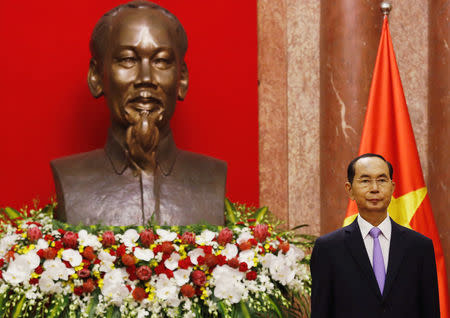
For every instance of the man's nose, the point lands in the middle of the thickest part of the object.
(374, 187)
(145, 76)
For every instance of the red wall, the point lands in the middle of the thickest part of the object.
(48, 112)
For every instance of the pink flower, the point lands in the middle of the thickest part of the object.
(144, 272)
(188, 238)
(70, 240)
(147, 237)
(108, 239)
(198, 277)
(261, 232)
(34, 233)
(225, 236)
(83, 273)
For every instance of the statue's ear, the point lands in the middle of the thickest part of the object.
(94, 79)
(184, 82)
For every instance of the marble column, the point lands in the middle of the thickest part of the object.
(439, 120)
(349, 36)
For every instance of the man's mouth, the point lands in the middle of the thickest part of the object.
(148, 103)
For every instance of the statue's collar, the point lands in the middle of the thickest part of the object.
(166, 154)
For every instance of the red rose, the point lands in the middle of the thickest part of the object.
(198, 277)
(167, 247)
(188, 238)
(147, 237)
(284, 247)
(245, 246)
(210, 260)
(89, 254)
(39, 270)
(128, 260)
(34, 233)
(88, 286)
(187, 291)
(251, 275)
(34, 281)
(243, 267)
(108, 239)
(78, 290)
(139, 294)
(234, 262)
(84, 273)
(2, 262)
(70, 240)
(144, 272)
(225, 236)
(261, 232)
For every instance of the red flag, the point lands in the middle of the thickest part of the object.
(387, 131)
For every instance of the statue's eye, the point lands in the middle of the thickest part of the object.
(127, 61)
(162, 63)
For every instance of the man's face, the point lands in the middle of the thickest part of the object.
(372, 187)
(141, 69)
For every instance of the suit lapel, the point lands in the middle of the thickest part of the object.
(396, 253)
(355, 243)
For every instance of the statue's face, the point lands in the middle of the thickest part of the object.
(141, 69)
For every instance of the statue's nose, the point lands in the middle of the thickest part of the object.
(145, 75)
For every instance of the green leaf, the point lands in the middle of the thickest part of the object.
(58, 307)
(18, 309)
(90, 310)
(113, 312)
(244, 310)
(230, 211)
(260, 214)
(275, 307)
(3, 298)
(11, 213)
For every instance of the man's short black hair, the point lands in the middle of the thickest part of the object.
(351, 166)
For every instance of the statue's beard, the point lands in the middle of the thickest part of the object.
(142, 138)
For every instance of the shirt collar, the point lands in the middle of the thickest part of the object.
(166, 154)
(384, 226)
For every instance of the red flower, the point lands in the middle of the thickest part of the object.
(201, 260)
(108, 239)
(131, 270)
(144, 272)
(70, 239)
(39, 270)
(89, 254)
(168, 273)
(234, 262)
(2, 262)
(225, 236)
(128, 260)
(48, 237)
(10, 256)
(245, 246)
(78, 290)
(34, 234)
(167, 247)
(261, 232)
(243, 267)
(34, 281)
(187, 291)
(251, 275)
(210, 260)
(159, 269)
(221, 260)
(139, 294)
(88, 286)
(121, 250)
(67, 263)
(50, 253)
(188, 238)
(284, 247)
(198, 277)
(206, 248)
(58, 245)
(84, 273)
(147, 237)
(61, 231)
(185, 263)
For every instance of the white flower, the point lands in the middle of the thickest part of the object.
(230, 251)
(205, 237)
(141, 313)
(182, 276)
(41, 244)
(55, 269)
(7, 242)
(172, 262)
(20, 269)
(247, 257)
(166, 236)
(228, 283)
(72, 256)
(130, 237)
(86, 239)
(107, 261)
(47, 285)
(144, 254)
(244, 236)
(194, 254)
(114, 286)
(167, 290)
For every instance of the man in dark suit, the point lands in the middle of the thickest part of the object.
(374, 267)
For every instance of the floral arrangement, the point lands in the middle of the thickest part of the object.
(246, 269)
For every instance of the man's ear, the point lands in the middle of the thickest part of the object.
(184, 82)
(348, 189)
(94, 79)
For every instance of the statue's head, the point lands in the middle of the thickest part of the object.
(138, 65)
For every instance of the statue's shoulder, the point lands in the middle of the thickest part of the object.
(89, 163)
(200, 164)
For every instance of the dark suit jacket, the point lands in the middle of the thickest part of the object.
(344, 284)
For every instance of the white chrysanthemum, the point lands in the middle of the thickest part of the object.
(144, 254)
(47, 285)
(114, 286)
(107, 261)
(56, 269)
(172, 262)
(167, 290)
(230, 251)
(86, 239)
(228, 283)
(247, 257)
(41, 244)
(72, 256)
(7, 242)
(244, 236)
(166, 236)
(130, 237)
(205, 237)
(182, 276)
(194, 254)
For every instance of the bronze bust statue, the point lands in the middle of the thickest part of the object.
(138, 65)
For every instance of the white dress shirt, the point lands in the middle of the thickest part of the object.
(384, 238)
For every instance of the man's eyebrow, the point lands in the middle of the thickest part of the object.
(379, 176)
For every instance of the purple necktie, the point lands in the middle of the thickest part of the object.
(378, 262)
